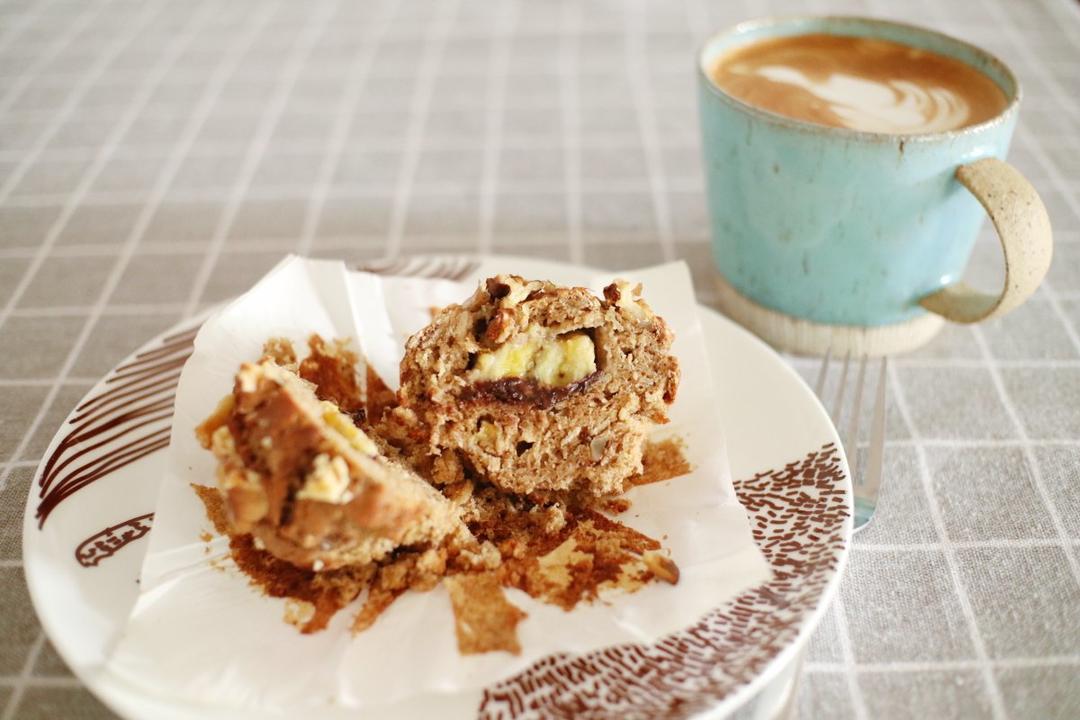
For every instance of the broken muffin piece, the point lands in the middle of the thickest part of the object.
(307, 483)
(535, 387)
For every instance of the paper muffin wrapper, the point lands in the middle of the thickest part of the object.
(199, 631)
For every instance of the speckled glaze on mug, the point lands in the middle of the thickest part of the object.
(837, 226)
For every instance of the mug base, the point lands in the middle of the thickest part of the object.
(804, 337)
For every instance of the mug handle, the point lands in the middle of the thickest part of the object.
(1023, 227)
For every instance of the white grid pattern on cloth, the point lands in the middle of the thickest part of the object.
(59, 43)
(124, 254)
(568, 34)
(571, 126)
(435, 39)
(495, 101)
(982, 664)
(644, 107)
(32, 656)
(305, 44)
(170, 56)
(343, 115)
(65, 112)
(101, 158)
(1029, 455)
(13, 30)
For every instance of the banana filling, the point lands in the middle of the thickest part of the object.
(343, 425)
(556, 363)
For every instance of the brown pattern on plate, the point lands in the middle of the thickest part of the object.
(798, 516)
(445, 268)
(128, 419)
(109, 541)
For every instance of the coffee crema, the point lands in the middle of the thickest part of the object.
(858, 83)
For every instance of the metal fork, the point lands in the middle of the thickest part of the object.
(868, 483)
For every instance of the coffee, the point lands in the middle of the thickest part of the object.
(858, 83)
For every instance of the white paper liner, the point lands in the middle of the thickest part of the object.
(207, 636)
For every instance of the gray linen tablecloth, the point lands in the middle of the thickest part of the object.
(157, 157)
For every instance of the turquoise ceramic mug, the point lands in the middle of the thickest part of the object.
(826, 237)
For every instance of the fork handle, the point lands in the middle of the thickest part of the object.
(1022, 225)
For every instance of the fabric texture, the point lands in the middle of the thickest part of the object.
(157, 157)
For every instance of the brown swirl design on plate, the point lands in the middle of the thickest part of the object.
(106, 543)
(128, 419)
(444, 268)
(797, 515)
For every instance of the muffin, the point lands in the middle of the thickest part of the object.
(534, 387)
(310, 486)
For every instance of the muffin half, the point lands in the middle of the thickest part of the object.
(535, 387)
(308, 484)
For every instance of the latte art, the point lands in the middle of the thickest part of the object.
(860, 84)
(893, 106)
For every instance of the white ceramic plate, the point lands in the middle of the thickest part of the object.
(93, 497)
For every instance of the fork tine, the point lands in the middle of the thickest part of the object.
(851, 441)
(822, 372)
(838, 401)
(868, 491)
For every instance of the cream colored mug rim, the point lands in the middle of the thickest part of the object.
(848, 133)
